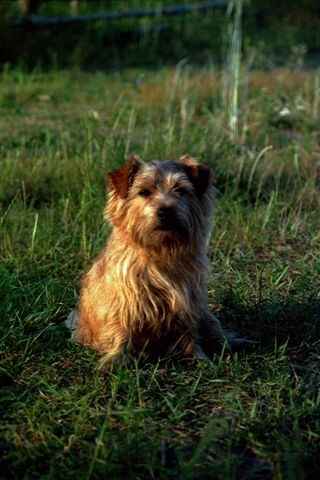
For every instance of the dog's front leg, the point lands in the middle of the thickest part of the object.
(192, 348)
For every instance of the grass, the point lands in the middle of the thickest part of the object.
(272, 35)
(254, 415)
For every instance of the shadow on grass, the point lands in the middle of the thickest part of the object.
(275, 322)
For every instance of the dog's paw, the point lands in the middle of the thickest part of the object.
(71, 322)
(239, 344)
(199, 354)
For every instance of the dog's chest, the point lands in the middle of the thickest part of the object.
(163, 296)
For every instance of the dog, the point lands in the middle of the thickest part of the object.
(146, 293)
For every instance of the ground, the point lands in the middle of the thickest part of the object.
(251, 415)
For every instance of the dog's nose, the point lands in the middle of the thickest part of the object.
(165, 213)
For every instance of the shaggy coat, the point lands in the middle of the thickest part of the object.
(147, 290)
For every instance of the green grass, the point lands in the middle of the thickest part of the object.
(254, 415)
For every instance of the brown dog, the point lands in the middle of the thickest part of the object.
(147, 290)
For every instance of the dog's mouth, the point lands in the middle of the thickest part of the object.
(172, 230)
(167, 220)
(167, 226)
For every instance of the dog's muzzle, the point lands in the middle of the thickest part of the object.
(167, 219)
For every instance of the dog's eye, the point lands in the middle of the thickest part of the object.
(145, 193)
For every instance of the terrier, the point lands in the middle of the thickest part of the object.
(147, 290)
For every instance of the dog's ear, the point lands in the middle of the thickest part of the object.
(201, 176)
(120, 180)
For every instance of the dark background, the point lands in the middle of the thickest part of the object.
(272, 32)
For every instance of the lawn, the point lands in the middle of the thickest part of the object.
(254, 415)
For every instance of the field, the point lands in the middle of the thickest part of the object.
(255, 415)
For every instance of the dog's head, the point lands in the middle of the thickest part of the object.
(161, 203)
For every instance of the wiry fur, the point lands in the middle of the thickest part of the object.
(147, 290)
